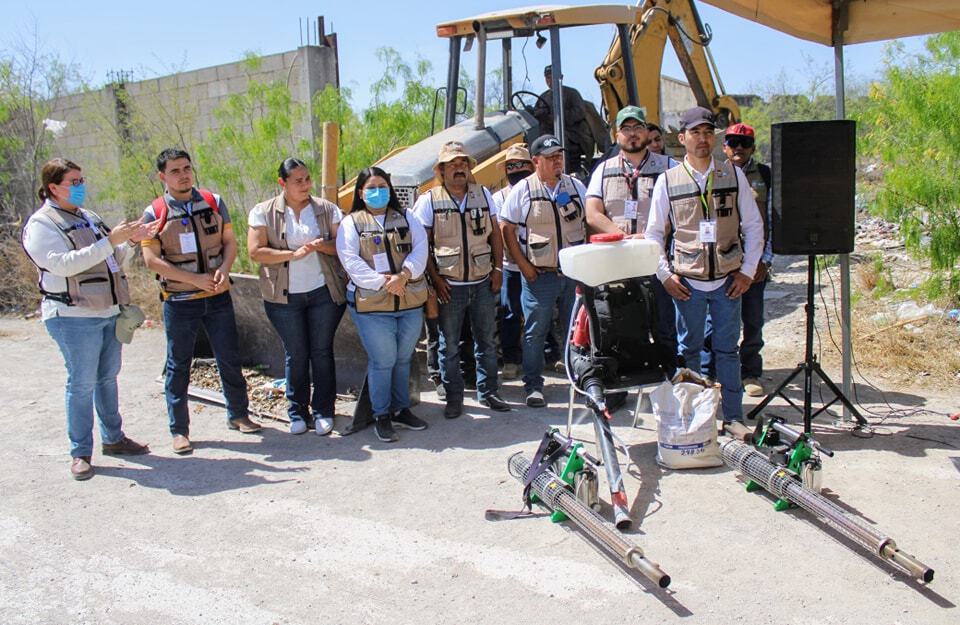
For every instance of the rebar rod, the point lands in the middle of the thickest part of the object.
(554, 494)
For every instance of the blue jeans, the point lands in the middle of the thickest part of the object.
(182, 320)
(511, 320)
(389, 338)
(91, 353)
(725, 314)
(477, 301)
(538, 299)
(751, 313)
(307, 324)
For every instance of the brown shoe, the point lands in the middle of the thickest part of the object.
(125, 447)
(245, 425)
(81, 469)
(181, 444)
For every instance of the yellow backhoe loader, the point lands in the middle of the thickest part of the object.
(630, 74)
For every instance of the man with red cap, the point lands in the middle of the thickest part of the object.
(739, 145)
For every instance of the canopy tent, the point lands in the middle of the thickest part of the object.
(837, 23)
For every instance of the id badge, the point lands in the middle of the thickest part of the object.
(708, 231)
(112, 264)
(188, 243)
(381, 264)
(630, 209)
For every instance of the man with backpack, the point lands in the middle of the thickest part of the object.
(192, 254)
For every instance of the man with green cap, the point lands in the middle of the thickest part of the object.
(618, 200)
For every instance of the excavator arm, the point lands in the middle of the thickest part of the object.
(679, 21)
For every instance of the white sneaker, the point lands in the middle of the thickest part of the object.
(298, 427)
(323, 425)
(535, 399)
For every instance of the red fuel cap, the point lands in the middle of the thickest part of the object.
(607, 237)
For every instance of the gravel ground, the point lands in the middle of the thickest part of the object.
(274, 529)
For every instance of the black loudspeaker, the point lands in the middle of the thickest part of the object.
(814, 180)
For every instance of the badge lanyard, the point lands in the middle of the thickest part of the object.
(703, 197)
(632, 174)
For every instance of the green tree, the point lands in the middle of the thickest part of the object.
(30, 83)
(915, 132)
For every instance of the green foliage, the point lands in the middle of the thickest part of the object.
(400, 113)
(257, 130)
(30, 81)
(809, 98)
(915, 131)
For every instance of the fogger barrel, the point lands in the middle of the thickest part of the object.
(554, 494)
(779, 483)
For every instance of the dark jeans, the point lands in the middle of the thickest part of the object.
(751, 313)
(666, 328)
(511, 320)
(468, 364)
(307, 324)
(477, 303)
(182, 320)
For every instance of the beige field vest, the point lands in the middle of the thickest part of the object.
(549, 226)
(275, 277)
(616, 190)
(691, 258)
(461, 241)
(97, 287)
(396, 240)
(206, 226)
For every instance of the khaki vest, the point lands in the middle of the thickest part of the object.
(691, 258)
(761, 193)
(206, 226)
(275, 278)
(548, 227)
(396, 241)
(461, 241)
(97, 287)
(616, 190)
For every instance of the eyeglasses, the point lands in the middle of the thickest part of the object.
(632, 130)
(76, 182)
(517, 166)
(738, 141)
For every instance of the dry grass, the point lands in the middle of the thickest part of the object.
(18, 288)
(923, 352)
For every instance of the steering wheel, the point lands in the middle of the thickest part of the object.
(517, 98)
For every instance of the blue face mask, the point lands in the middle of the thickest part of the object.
(78, 194)
(376, 197)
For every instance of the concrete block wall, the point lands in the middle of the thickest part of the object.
(184, 104)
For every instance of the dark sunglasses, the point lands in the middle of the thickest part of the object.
(517, 166)
(737, 141)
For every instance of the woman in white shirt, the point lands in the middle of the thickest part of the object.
(293, 236)
(83, 285)
(384, 251)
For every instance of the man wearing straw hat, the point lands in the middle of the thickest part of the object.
(466, 268)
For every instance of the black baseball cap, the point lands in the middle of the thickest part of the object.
(697, 116)
(545, 145)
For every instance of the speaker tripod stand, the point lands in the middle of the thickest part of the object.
(808, 368)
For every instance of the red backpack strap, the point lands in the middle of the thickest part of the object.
(160, 211)
(210, 200)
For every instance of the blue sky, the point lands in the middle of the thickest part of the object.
(157, 38)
